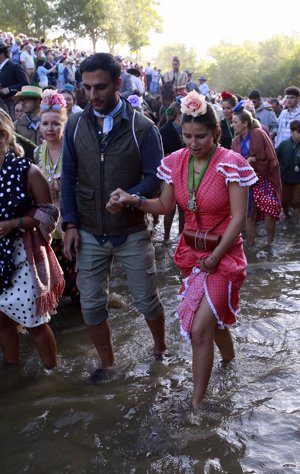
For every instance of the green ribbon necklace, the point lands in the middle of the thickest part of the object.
(230, 129)
(193, 188)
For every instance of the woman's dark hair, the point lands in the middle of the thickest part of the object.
(71, 93)
(172, 111)
(104, 61)
(231, 100)
(210, 120)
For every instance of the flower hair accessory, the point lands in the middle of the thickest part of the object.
(52, 99)
(193, 104)
(178, 99)
(245, 104)
(135, 100)
(239, 106)
(226, 95)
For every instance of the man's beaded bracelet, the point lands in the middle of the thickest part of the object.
(140, 198)
(71, 227)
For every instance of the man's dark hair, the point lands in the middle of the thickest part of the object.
(295, 126)
(103, 61)
(255, 94)
(293, 90)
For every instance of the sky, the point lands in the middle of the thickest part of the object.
(204, 24)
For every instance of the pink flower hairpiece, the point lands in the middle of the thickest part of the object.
(193, 104)
(52, 99)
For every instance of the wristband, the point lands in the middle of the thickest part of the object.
(214, 257)
(71, 227)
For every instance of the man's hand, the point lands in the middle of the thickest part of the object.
(115, 205)
(71, 243)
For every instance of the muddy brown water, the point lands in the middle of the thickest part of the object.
(139, 421)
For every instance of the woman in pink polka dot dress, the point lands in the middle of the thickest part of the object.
(265, 196)
(211, 184)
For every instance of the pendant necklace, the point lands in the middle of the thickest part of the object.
(51, 169)
(230, 129)
(191, 204)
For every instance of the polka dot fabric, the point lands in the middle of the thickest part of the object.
(222, 298)
(13, 187)
(18, 302)
(265, 199)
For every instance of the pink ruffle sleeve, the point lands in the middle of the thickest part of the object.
(236, 169)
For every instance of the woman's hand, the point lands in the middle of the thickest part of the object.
(118, 199)
(208, 264)
(7, 226)
(251, 159)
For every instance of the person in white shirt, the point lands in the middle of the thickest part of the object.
(203, 87)
(27, 61)
(282, 131)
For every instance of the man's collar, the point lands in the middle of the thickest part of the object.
(3, 64)
(123, 111)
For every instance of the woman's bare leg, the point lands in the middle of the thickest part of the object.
(270, 225)
(202, 335)
(224, 343)
(9, 339)
(44, 341)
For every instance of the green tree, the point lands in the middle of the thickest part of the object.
(187, 57)
(139, 19)
(278, 64)
(233, 67)
(32, 17)
(85, 18)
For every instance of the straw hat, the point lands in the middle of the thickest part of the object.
(31, 92)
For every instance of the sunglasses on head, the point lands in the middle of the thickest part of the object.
(54, 107)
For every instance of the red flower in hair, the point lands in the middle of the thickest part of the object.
(226, 95)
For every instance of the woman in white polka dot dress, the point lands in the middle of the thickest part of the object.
(30, 277)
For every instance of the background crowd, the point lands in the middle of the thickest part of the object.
(42, 89)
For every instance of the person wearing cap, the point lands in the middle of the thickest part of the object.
(203, 87)
(27, 61)
(15, 50)
(263, 111)
(110, 144)
(12, 78)
(28, 125)
(127, 87)
(70, 70)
